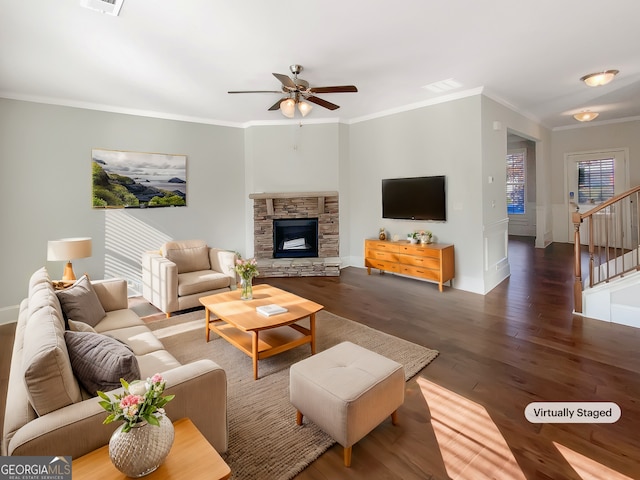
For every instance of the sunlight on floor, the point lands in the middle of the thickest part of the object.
(587, 468)
(180, 328)
(471, 445)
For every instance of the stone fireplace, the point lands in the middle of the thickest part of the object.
(302, 258)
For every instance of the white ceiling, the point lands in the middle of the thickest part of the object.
(178, 59)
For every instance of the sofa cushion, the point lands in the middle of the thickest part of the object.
(201, 281)
(40, 292)
(99, 361)
(80, 303)
(188, 255)
(46, 367)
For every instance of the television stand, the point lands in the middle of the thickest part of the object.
(434, 261)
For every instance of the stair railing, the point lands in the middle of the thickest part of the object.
(613, 232)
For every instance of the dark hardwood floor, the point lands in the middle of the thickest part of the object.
(463, 416)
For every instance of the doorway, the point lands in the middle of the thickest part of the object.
(522, 218)
(591, 179)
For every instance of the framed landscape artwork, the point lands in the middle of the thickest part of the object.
(138, 180)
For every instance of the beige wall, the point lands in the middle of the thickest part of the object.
(584, 139)
(45, 180)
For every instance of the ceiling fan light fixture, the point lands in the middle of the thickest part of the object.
(305, 108)
(599, 78)
(288, 107)
(585, 116)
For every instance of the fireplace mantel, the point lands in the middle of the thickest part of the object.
(270, 196)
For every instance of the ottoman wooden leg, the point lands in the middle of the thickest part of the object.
(347, 456)
(394, 417)
(298, 417)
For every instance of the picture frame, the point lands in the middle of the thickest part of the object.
(123, 179)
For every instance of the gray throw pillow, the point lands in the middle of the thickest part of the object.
(99, 361)
(80, 302)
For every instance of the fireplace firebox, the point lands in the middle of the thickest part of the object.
(295, 238)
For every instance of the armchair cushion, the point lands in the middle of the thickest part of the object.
(188, 255)
(99, 361)
(201, 281)
(79, 302)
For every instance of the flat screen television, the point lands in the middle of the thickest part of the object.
(417, 198)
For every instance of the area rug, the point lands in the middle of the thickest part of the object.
(264, 440)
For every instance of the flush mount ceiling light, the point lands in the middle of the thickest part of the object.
(600, 78)
(585, 116)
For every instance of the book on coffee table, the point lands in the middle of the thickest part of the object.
(271, 309)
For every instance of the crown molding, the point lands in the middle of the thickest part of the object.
(114, 109)
(596, 123)
(413, 106)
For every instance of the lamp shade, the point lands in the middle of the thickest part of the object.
(305, 108)
(288, 107)
(68, 249)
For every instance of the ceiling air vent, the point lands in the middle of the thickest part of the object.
(110, 7)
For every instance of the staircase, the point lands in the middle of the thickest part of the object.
(611, 291)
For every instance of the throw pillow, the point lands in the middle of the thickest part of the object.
(99, 361)
(80, 326)
(79, 302)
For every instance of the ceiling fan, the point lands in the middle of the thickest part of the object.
(296, 91)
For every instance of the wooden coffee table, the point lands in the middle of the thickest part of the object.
(254, 334)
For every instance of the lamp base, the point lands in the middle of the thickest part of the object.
(68, 275)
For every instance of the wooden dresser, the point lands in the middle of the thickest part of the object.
(434, 261)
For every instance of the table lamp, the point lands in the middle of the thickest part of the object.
(68, 249)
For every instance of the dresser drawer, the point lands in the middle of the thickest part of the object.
(382, 246)
(382, 255)
(382, 265)
(427, 262)
(420, 272)
(420, 251)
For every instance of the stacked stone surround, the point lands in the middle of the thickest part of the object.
(300, 205)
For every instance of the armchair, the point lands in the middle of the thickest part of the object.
(181, 272)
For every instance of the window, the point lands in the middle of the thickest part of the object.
(516, 166)
(595, 181)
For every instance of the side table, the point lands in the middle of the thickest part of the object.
(191, 456)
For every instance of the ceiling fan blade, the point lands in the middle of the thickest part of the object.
(256, 91)
(286, 81)
(335, 89)
(323, 103)
(276, 106)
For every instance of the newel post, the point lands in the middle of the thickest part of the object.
(577, 284)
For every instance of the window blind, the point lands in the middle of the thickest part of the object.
(516, 167)
(595, 180)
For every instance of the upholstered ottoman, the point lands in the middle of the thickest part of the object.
(347, 391)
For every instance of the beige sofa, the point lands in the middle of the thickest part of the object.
(50, 412)
(181, 272)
